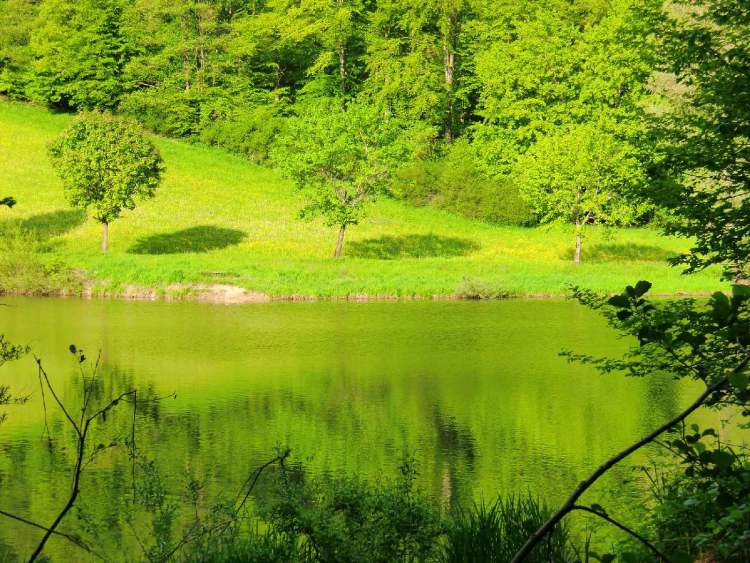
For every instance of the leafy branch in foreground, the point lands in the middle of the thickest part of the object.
(703, 343)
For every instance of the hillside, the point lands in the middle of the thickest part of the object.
(218, 219)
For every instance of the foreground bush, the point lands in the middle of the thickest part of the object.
(348, 520)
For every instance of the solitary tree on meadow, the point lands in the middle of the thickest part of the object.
(106, 164)
(341, 159)
(580, 177)
(7, 201)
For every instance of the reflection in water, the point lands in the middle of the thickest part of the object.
(454, 457)
(476, 392)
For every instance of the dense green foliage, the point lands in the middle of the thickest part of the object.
(105, 164)
(340, 519)
(701, 508)
(580, 176)
(706, 134)
(497, 75)
(342, 158)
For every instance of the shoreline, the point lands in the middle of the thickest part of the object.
(223, 294)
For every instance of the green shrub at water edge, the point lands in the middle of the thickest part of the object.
(27, 267)
(349, 520)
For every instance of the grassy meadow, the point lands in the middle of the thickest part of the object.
(217, 219)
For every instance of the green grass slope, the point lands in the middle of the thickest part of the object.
(219, 219)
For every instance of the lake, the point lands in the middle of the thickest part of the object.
(475, 391)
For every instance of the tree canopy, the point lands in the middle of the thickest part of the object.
(497, 76)
(705, 134)
(581, 176)
(342, 158)
(106, 164)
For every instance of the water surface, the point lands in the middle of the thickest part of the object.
(475, 391)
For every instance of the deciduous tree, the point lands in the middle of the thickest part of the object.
(580, 176)
(106, 164)
(79, 51)
(341, 159)
(707, 134)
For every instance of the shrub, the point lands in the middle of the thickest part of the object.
(478, 289)
(455, 183)
(345, 519)
(175, 114)
(26, 267)
(706, 516)
(249, 131)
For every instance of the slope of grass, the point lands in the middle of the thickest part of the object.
(219, 219)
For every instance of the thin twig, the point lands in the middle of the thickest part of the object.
(57, 399)
(72, 539)
(252, 480)
(44, 406)
(82, 435)
(624, 528)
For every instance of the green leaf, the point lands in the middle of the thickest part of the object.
(722, 459)
(721, 307)
(620, 301)
(741, 291)
(624, 314)
(739, 380)
(642, 287)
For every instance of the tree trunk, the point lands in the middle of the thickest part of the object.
(340, 241)
(449, 61)
(342, 56)
(342, 67)
(105, 236)
(579, 244)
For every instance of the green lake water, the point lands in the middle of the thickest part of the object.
(475, 391)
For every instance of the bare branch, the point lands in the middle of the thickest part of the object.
(624, 528)
(569, 505)
(72, 539)
(57, 399)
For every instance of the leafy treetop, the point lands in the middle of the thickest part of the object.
(105, 164)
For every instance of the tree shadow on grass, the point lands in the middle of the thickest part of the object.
(410, 246)
(622, 253)
(195, 239)
(45, 226)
